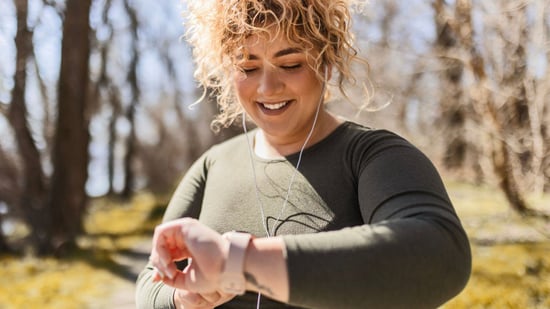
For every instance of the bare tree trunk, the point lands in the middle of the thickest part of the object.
(538, 92)
(10, 192)
(106, 84)
(452, 102)
(4, 247)
(545, 115)
(502, 163)
(70, 157)
(129, 157)
(115, 112)
(113, 97)
(515, 67)
(33, 190)
(129, 175)
(47, 124)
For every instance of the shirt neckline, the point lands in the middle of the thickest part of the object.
(335, 133)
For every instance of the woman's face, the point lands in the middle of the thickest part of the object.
(277, 87)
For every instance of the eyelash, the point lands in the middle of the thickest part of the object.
(248, 70)
(291, 67)
(287, 68)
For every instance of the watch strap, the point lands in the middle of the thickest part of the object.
(232, 278)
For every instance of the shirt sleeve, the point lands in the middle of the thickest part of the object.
(185, 202)
(411, 251)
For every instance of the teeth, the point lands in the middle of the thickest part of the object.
(275, 106)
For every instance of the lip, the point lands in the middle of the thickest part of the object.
(274, 112)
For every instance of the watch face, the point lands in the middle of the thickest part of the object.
(232, 284)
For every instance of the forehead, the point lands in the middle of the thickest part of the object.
(269, 43)
(267, 40)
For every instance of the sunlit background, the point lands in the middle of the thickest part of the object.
(467, 81)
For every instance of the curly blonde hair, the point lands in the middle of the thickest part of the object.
(217, 29)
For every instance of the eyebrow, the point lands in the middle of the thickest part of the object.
(281, 53)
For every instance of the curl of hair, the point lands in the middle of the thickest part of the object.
(217, 29)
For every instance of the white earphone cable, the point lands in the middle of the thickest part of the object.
(257, 189)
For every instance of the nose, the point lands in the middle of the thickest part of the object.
(270, 82)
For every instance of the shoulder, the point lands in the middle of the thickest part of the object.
(230, 144)
(363, 146)
(360, 138)
(230, 149)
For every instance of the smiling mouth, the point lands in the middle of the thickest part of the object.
(274, 106)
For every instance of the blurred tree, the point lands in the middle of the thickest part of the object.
(501, 108)
(479, 70)
(105, 85)
(9, 192)
(452, 99)
(70, 152)
(129, 157)
(32, 197)
(52, 196)
(488, 111)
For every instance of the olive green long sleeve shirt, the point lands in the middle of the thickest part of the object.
(367, 224)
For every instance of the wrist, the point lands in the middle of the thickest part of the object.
(265, 268)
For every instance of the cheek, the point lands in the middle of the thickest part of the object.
(305, 85)
(305, 79)
(244, 87)
(240, 90)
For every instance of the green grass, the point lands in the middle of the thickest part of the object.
(89, 277)
(50, 283)
(511, 255)
(508, 276)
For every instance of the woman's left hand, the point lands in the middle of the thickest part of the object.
(187, 238)
(184, 299)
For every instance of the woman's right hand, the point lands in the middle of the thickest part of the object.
(204, 248)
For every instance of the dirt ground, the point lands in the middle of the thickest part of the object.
(123, 297)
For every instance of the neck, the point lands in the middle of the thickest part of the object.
(274, 146)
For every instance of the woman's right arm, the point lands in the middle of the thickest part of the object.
(185, 202)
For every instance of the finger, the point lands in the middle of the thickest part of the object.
(158, 253)
(161, 269)
(168, 247)
(165, 263)
(157, 275)
(211, 297)
(187, 280)
(180, 245)
(172, 246)
(179, 281)
(191, 300)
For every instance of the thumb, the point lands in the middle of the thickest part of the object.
(180, 281)
(193, 280)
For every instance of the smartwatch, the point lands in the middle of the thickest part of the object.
(232, 279)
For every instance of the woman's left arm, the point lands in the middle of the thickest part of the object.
(412, 251)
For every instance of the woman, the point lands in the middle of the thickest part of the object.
(332, 214)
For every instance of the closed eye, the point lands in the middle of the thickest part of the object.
(291, 67)
(246, 69)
